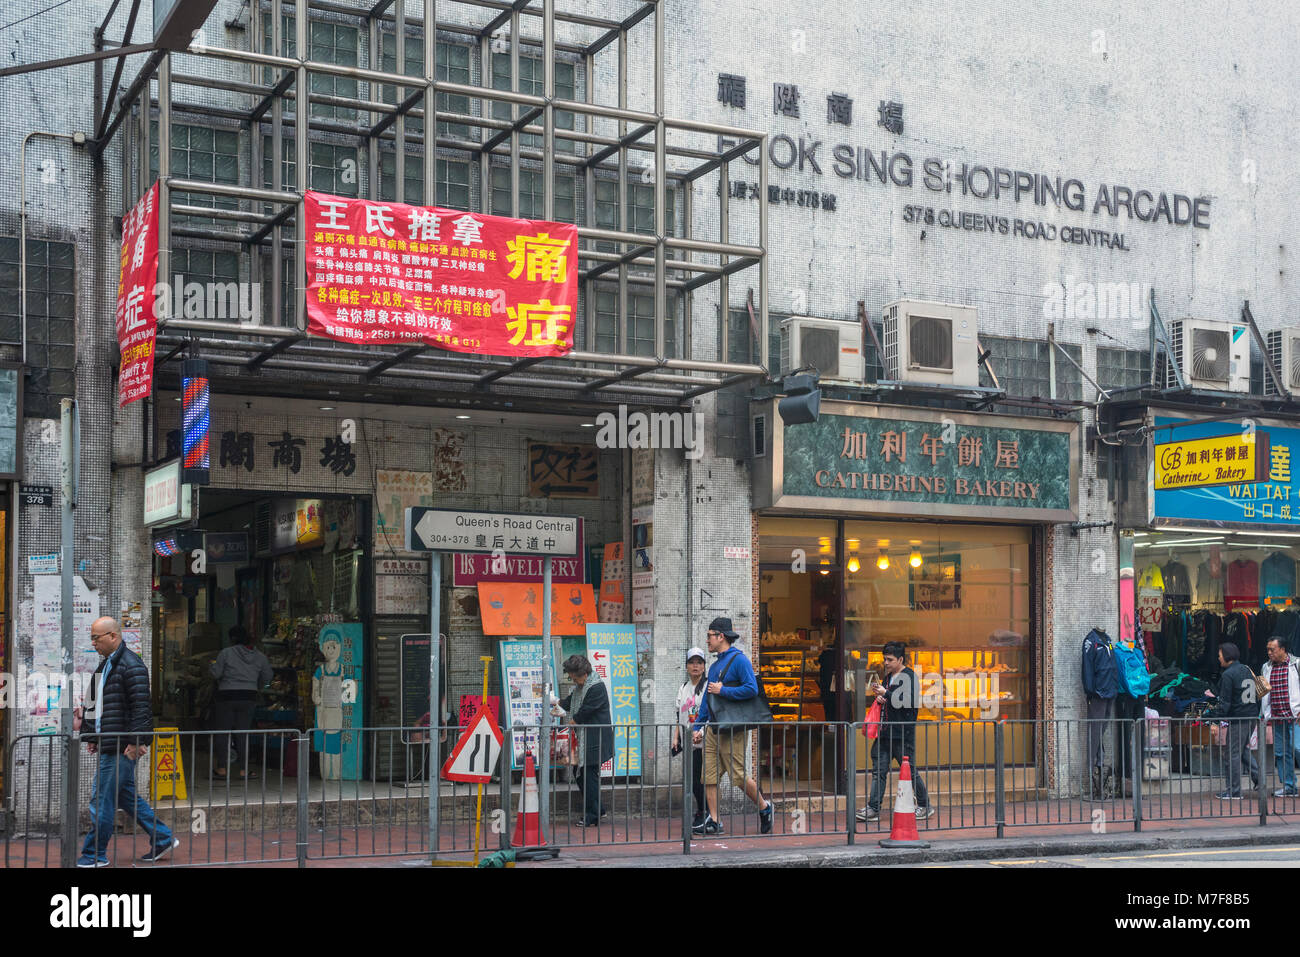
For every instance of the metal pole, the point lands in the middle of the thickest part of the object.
(544, 736)
(431, 104)
(548, 125)
(301, 14)
(435, 710)
(304, 766)
(660, 200)
(851, 792)
(688, 775)
(1139, 726)
(999, 779)
(164, 169)
(69, 469)
(1262, 788)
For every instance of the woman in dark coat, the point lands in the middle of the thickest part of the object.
(588, 704)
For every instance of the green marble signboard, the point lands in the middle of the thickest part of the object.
(865, 458)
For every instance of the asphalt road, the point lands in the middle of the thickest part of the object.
(1240, 856)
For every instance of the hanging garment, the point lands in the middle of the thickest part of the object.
(1277, 577)
(1242, 588)
(1288, 626)
(1100, 670)
(1209, 586)
(1178, 584)
(1236, 629)
(1151, 578)
(1197, 645)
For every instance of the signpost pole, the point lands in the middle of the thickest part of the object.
(478, 818)
(544, 736)
(435, 716)
(68, 501)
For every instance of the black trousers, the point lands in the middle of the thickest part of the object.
(696, 757)
(231, 714)
(589, 781)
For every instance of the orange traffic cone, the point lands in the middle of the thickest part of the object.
(528, 827)
(902, 831)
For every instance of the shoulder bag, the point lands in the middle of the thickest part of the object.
(726, 711)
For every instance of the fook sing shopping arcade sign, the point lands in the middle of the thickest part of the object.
(466, 282)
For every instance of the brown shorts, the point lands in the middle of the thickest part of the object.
(732, 753)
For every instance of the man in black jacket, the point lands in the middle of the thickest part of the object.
(120, 731)
(1236, 703)
(900, 699)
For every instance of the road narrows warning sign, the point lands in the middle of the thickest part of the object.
(476, 753)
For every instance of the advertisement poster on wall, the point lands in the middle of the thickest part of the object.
(336, 691)
(521, 685)
(612, 652)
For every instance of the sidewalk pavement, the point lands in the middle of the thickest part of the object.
(868, 853)
(1043, 829)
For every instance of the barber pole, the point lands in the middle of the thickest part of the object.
(196, 418)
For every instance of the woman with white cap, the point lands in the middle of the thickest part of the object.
(689, 697)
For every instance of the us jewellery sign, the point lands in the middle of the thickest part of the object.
(860, 458)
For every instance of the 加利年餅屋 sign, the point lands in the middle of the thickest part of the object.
(881, 459)
(467, 282)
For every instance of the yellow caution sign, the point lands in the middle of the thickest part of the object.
(167, 778)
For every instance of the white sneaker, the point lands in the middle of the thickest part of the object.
(924, 812)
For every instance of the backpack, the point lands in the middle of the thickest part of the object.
(1133, 675)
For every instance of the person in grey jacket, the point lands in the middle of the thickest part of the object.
(1235, 702)
(240, 670)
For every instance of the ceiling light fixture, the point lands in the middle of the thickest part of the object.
(854, 564)
(883, 561)
(914, 559)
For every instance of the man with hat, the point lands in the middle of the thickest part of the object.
(724, 748)
(689, 698)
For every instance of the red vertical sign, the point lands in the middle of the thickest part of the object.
(467, 282)
(137, 324)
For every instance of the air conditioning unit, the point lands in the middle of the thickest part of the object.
(831, 347)
(1212, 354)
(1284, 350)
(931, 342)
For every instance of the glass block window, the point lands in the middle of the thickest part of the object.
(532, 81)
(639, 336)
(51, 318)
(640, 207)
(334, 169)
(330, 43)
(453, 181)
(1022, 367)
(452, 66)
(200, 153)
(1123, 368)
(530, 195)
(741, 345)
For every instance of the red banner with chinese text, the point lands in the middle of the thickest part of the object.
(137, 323)
(467, 282)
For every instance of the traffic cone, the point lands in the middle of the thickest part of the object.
(902, 831)
(528, 826)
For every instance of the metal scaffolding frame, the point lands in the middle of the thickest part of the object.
(268, 218)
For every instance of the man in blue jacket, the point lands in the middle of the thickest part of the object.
(121, 730)
(728, 753)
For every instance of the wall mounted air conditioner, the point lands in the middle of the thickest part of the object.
(1284, 350)
(1212, 354)
(832, 347)
(932, 343)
